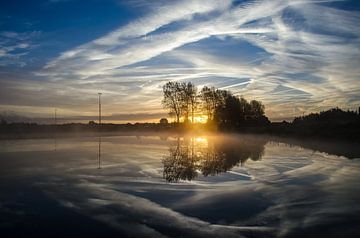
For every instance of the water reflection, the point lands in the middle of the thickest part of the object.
(293, 192)
(55, 143)
(99, 154)
(190, 156)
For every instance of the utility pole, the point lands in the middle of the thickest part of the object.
(99, 108)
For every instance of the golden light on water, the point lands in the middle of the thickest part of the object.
(200, 142)
(200, 139)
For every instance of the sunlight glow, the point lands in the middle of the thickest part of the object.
(200, 142)
(201, 139)
(200, 119)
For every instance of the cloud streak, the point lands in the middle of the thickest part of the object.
(281, 52)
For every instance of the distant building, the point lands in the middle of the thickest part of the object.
(164, 121)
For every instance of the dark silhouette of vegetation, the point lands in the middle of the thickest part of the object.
(173, 99)
(237, 112)
(331, 124)
(221, 107)
(228, 112)
(164, 121)
(190, 156)
(210, 100)
(192, 99)
(181, 99)
(332, 116)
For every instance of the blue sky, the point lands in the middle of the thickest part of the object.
(296, 56)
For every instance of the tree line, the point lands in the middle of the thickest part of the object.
(331, 116)
(185, 100)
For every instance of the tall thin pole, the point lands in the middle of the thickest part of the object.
(99, 108)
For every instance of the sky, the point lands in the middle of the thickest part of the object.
(296, 56)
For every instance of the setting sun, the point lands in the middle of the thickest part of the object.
(200, 119)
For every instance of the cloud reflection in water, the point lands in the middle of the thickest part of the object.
(279, 190)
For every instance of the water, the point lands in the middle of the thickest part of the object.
(165, 186)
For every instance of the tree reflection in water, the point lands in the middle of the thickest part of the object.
(190, 156)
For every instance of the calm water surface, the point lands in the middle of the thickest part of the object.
(214, 186)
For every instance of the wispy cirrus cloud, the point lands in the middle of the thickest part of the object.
(15, 45)
(281, 52)
(131, 44)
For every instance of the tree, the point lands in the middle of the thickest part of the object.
(235, 112)
(207, 98)
(181, 99)
(230, 112)
(220, 106)
(173, 99)
(164, 121)
(212, 99)
(257, 108)
(190, 100)
(185, 101)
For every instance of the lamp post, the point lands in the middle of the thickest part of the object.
(99, 108)
(99, 155)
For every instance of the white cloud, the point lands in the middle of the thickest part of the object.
(14, 46)
(314, 56)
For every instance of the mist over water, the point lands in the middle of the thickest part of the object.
(169, 186)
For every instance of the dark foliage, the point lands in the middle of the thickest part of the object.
(332, 124)
(237, 112)
(222, 108)
(332, 116)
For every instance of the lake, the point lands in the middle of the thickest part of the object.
(169, 186)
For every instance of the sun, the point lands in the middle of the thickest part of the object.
(200, 119)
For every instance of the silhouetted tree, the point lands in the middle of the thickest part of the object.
(235, 112)
(229, 113)
(220, 106)
(208, 97)
(192, 98)
(212, 99)
(164, 121)
(188, 100)
(173, 99)
(331, 116)
(92, 123)
(257, 108)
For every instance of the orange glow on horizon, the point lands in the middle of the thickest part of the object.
(200, 119)
(197, 119)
